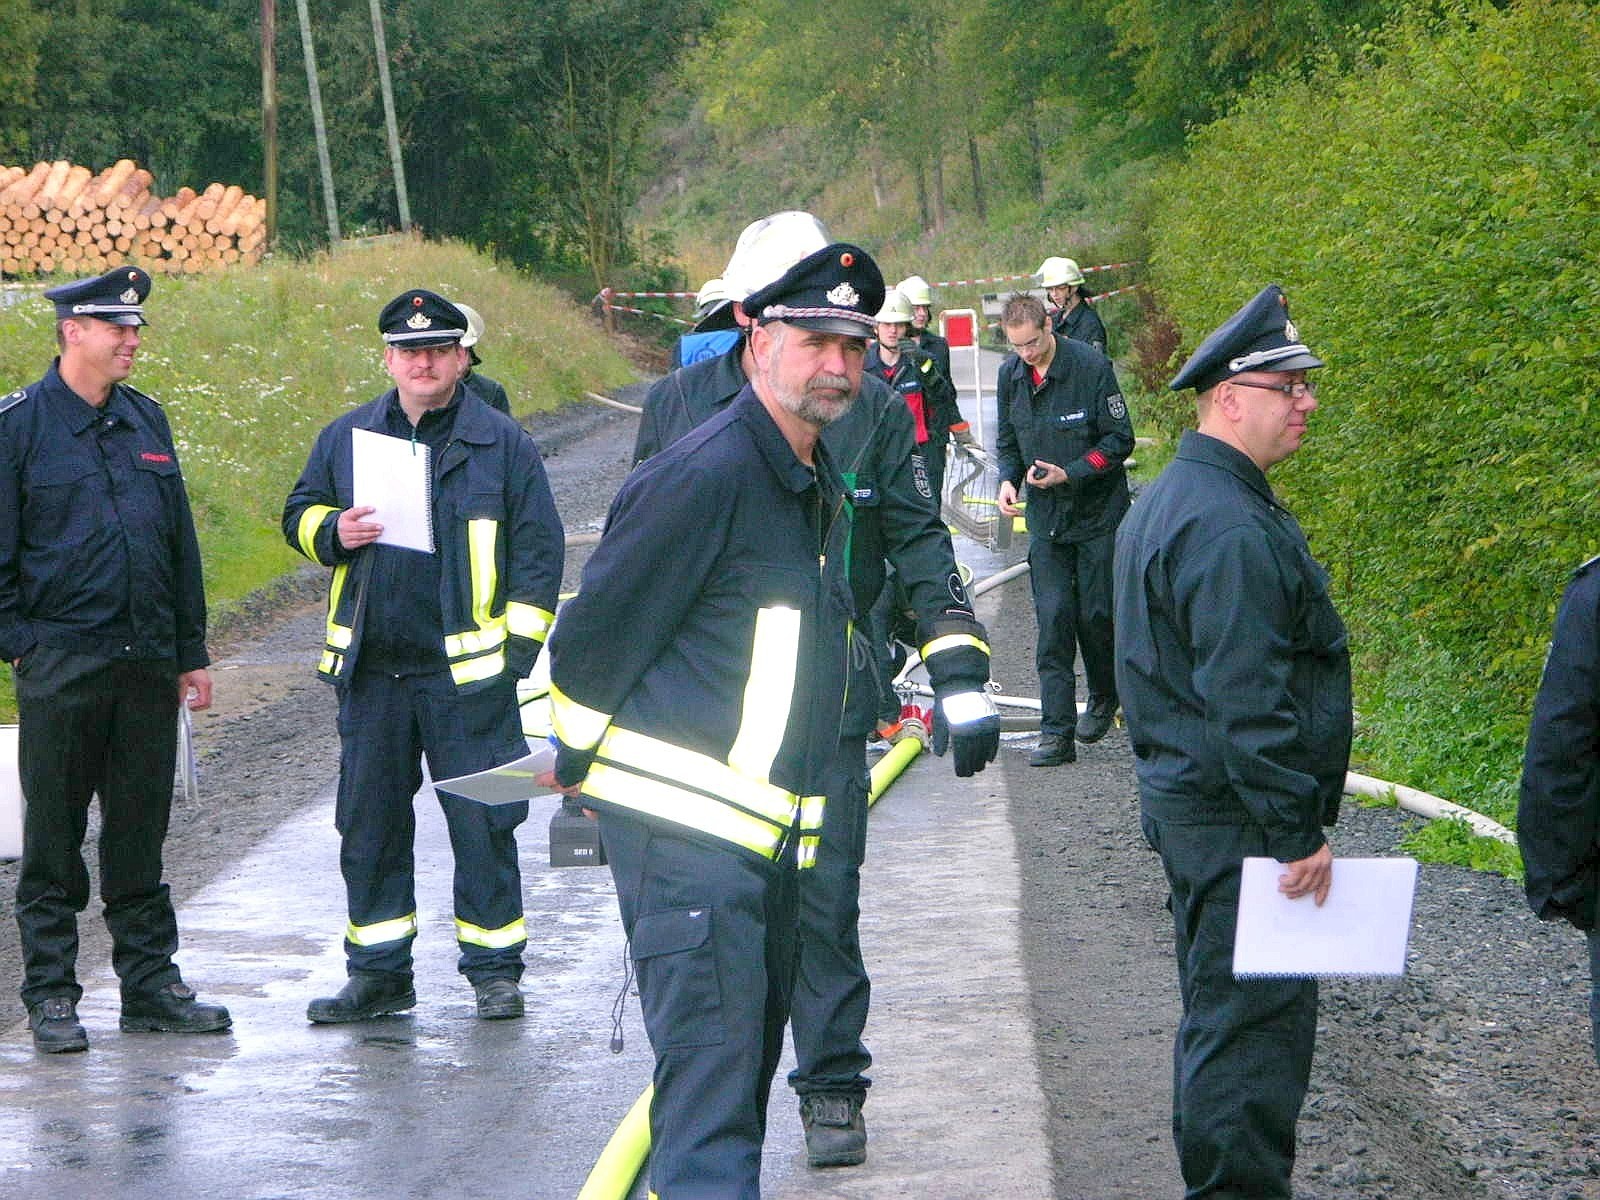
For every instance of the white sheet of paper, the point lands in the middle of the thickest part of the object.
(393, 475)
(1362, 929)
(506, 784)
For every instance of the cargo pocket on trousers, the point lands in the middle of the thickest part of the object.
(678, 987)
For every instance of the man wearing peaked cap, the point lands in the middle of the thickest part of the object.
(103, 618)
(1234, 671)
(117, 296)
(425, 647)
(727, 557)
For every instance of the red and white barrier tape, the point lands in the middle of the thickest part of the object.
(1117, 292)
(1029, 275)
(657, 295)
(644, 312)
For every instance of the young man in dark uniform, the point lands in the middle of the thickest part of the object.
(425, 649)
(1064, 429)
(1234, 671)
(103, 618)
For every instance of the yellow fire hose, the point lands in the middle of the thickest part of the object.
(623, 1158)
(620, 1162)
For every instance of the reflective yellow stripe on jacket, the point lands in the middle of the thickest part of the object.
(306, 531)
(380, 932)
(493, 939)
(339, 635)
(951, 641)
(479, 652)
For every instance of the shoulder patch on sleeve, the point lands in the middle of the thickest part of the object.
(14, 399)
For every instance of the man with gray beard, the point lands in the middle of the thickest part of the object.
(697, 681)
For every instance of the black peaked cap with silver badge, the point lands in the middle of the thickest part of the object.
(420, 318)
(117, 296)
(837, 289)
(1259, 337)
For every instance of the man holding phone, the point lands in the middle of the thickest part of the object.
(1065, 430)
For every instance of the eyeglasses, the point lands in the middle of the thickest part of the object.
(1294, 391)
(1019, 347)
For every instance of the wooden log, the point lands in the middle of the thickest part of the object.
(67, 224)
(231, 195)
(176, 202)
(77, 179)
(105, 245)
(123, 243)
(111, 181)
(135, 187)
(207, 206)
(21, 191)
(113, 226)
(46, 196)
(185, 215)
(242, 217)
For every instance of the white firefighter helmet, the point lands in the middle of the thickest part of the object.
(769, 247)
(916, 291)
(1059, 272)
(896, 309)
(474, 326)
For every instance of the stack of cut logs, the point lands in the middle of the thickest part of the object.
(61, 217)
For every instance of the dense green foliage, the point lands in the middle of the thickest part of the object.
(1434, 215)
(250, 365)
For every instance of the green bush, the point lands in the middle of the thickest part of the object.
(249, 365)
(1432, 215)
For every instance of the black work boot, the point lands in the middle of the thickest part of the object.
(498, 999)
(1053, 749)
(836, 1132)
(54, 1021)
(365, 995)
(171, 1008)
(1095, 719)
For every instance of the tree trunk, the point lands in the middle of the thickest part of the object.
(979, 201)
(938, 193)
(1030, 124)
(922, 199)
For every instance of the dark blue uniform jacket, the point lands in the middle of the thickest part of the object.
(97, 545)
(1081, 324)
(1558, 815)
(1232, 665)
(892, 514)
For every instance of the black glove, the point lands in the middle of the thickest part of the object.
(969, 721)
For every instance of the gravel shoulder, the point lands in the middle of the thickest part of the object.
(1471, 1077)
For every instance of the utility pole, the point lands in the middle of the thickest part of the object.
(269, 112)
(317, 126)
(388, 117)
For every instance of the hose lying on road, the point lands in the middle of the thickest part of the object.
(610, 403)
(1425, 805)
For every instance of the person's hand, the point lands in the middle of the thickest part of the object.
(1006, 499)
(962, 435)
(355, 533)
(970, 722)
(547, 781)
(1046, 475)
(194, 689)
(1311, 876)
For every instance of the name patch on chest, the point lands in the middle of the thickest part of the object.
(147, 456)
(1068, 418)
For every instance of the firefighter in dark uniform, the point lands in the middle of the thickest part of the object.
(705, 737)
(892, 519)
(489, 390)
(916, 290)
(1234, 672)
(1064, 428)
(1558, 814)
(915, 377)
(1064, 284)
(425, 650)
(103, 619)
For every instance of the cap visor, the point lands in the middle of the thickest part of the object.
(422, 343)
(124, 319)
(1295, 362)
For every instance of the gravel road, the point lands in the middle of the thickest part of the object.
(1471, 1077)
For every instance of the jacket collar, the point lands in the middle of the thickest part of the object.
(1057, 369)
(473, 422)
(1213, 452)
(775, 448)
(76, 413)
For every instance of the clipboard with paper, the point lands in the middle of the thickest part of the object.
(1362, 929)
(394, 477)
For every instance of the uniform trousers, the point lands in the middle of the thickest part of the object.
(1242, 1058)
(387, 723)
(832, 991)
(1072, 600)
(91, 725)
(713, 938)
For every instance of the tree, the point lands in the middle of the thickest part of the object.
(21, 29)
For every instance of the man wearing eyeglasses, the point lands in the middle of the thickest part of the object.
(1234, 672)
(1064, 429)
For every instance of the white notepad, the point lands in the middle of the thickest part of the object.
(393, 476)
(506, 784)
(1362, 929)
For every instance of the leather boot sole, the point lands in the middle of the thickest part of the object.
(326, 1013)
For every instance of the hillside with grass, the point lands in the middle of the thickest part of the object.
(251, 364)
